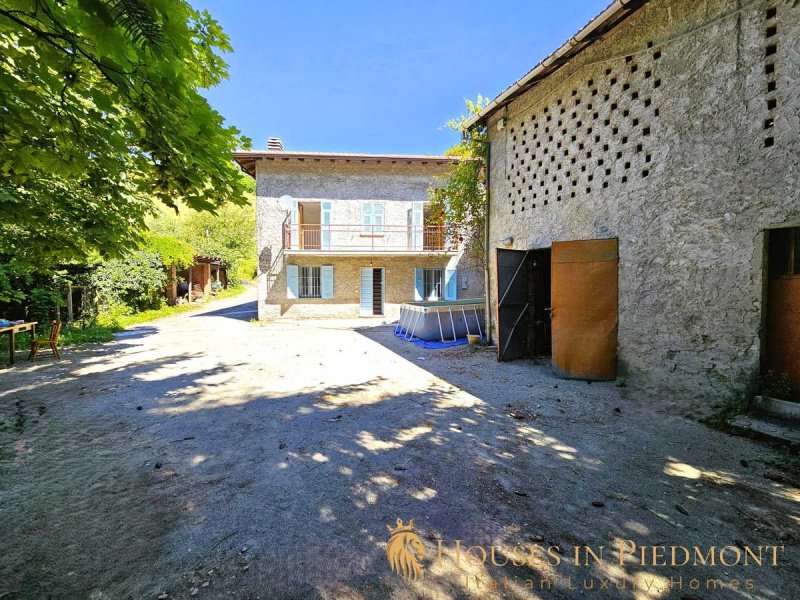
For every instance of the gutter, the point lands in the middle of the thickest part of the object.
(607, 18)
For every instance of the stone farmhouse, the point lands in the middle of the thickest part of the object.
(644, 200)
(349, 235)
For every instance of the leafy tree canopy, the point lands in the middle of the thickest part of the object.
(460, 198)
(173, 251)
(229, 233)
(100, 113)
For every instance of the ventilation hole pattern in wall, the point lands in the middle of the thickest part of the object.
(588, 138)
(770, 54)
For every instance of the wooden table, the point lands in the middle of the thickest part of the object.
(12, 331)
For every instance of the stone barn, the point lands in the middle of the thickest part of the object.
(644, 201)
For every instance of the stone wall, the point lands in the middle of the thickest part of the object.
(398, 285)
(396, 183)
(678, 134)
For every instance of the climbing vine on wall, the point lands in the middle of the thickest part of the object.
(459, 199)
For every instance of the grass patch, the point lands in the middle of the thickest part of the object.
(721, 419)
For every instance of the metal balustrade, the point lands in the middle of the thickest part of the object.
(371, 238)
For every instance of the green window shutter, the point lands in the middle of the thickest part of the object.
(292, 285)
(419, 284)
(327, 281)
(450, 284)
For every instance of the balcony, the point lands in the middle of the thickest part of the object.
(366, 239)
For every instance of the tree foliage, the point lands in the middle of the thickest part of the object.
(459, 199)
(101, 113)
(229, 233)
(136, 281)
(171, 250)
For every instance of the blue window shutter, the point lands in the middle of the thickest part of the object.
(419, 284)
(291, 282)
(450, 284)
(327, 281)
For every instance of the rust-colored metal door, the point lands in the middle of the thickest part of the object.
(783, 309)
(584, 315)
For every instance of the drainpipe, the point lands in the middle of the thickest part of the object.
(486, 250)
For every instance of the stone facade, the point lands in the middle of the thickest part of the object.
(677, 133)
(348, 183)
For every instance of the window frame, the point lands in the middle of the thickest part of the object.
(428, 288)
(309, 284)
(371, 213)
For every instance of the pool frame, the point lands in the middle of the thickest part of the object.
(424, 320)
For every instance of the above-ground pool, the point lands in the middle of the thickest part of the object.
(443, 320)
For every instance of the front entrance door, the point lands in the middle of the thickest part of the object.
(372, 292)
(584, 313)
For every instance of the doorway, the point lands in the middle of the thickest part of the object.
(523, 308)
(560, 302)
(781, 359)
(309, 220)
(372, 292)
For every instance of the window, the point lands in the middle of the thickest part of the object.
(372, 217)
(310, 282)
(432, 284)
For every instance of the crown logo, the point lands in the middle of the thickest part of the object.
(400, 527)
(405, 551)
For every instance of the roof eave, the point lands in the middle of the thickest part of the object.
(613, 15)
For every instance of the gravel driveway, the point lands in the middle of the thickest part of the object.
(208, 456)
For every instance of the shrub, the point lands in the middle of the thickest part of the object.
(136, 281)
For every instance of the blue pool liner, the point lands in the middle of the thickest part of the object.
(431, 345)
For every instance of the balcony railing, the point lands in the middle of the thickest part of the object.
(367, 238)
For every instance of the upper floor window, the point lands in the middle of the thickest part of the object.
(372, 217)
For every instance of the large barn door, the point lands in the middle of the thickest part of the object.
(512, 304)
(783, 308)
(584, 316)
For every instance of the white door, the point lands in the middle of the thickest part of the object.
(372, 290)
(417, 222)
(295, 225)
(325, 224)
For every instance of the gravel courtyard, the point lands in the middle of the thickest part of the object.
(208, 456)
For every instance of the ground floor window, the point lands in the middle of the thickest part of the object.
(310, 282)
(432, 284)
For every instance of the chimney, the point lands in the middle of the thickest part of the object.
(274, 144)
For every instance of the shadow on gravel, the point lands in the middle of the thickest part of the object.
(241, 312)
(132, 478)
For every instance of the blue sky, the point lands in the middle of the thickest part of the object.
(377, 76)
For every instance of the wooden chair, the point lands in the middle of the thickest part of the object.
(52, 341)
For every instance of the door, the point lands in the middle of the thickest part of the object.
(782, 335)
(512, 304)
(294, 226)
(584, 309)
(372, 291)
(417, 222)
(325, 224)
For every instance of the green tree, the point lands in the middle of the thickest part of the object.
(459, 199)
(136, 281)
(228, 233)
(172, 250)
(101, 115)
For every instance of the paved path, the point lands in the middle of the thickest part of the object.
(207, 456)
